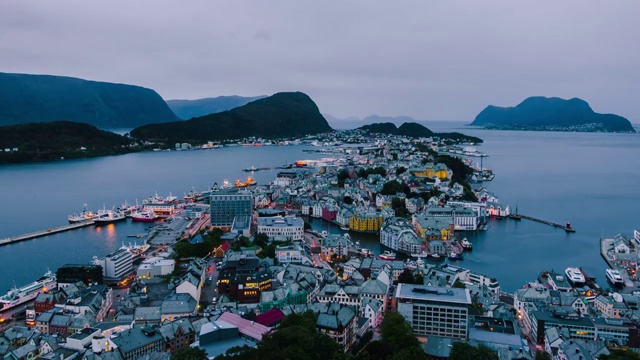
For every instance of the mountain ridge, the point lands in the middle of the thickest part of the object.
(287, 114)
(28, 98)
(186, 109)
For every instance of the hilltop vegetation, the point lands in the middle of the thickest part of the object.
(45, 98)
(291, 114)
(555, 114)
(416, 130)
(187, 109)
(60, 139)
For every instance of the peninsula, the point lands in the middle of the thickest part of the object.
(551, 114)
(415, 130)
(59, 140)
(287, 114)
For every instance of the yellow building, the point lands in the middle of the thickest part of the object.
(370, 221)
(433, 229)
(431, 171)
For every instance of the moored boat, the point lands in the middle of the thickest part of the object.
(466, 244)
(85, 215)
(388, 255)
(422, 254)
(144, 216)
(344, 228)
(575, 276)
(615, 277)
(455, 256)
(17, 296)
(108, 216)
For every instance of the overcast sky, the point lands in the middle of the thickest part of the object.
(430, 59)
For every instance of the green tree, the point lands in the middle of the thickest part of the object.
(376, 350)
(410, 353)
(190, 354)
(418, 278)
(400, 170)
(397, 332)
(342, 176)
(464, 351)
(542, 355)
(406, 277)
(348, 200)
(261, 239)
(621, 355)
(392, 187)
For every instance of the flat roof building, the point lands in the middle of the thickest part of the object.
(438, 311)
(225, 207)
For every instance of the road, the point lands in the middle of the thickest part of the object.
(210, 288)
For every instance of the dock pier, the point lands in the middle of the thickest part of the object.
(566, 227)
(37, 234)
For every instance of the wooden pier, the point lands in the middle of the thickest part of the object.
(37, 234)
(566, 227)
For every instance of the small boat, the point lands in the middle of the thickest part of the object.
(388, 255)
(420, 263)
(419, 255)
(455, 256)
(324, 233)
(410, 265)
(344, 228)
(515, 216)
(347, 237)
(435, 256)
(615, 278)
(365, 251)
(466, 244)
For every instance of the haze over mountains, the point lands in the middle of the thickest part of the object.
(353, 122)
(43, 98)
(187, 109)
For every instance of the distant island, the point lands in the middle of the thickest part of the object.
(57, 141)
(187, 109)
(354, 122)
(44, 98)
(416, 130)
(288, 114)
(551, 114)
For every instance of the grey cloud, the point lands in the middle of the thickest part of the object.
(426, 59)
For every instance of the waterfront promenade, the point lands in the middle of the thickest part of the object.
(606, 246)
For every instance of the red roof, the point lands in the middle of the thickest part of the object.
(270, 317)
(225, 246)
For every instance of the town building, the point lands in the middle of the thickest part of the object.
(72, 273)
(397, 234)
(243, 279)
(155, 268)
(226, 206)
(334, 245)
(116, 266)
(434, 310)
(290, 228)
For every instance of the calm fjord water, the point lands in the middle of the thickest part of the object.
(588, 179)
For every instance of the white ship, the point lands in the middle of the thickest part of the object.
(83, 216)
(615, 278)
(17, 296)
(575, 276)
